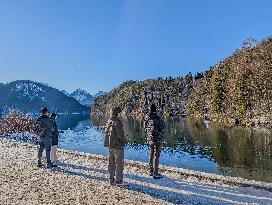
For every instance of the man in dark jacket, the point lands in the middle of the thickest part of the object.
(45, 138)
(115, 141)
(154, 127)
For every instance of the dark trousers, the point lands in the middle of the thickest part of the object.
(155, 151)
(44, 144)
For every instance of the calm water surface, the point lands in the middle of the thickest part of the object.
(189, 143)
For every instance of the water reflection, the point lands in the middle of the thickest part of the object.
(189, 143)
(70, 121)
(237, 151)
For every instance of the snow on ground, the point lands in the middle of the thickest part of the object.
(82, 179)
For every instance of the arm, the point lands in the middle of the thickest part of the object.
(56, 131)
(120, 131)
(146, 122)
(52, 127)
(161, 127)
(107, 130)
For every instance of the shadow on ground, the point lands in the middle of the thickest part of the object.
(174, 190)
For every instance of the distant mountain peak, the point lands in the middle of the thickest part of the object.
(83, 97)
(81, 91)
(65, 92)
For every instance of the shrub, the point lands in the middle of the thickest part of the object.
(16, 122)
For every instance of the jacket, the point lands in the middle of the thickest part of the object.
(114, 134)
(154, 127)
(47, 126)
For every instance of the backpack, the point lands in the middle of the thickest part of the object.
(38, 128)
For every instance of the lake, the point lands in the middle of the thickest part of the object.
(189, 143)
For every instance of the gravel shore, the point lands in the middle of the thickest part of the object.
(82, 179)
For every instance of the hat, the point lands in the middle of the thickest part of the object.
(44, 110)
(116, 111)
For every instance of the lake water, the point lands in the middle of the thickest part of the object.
(189, 143)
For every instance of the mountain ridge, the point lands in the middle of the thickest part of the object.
(30, 96)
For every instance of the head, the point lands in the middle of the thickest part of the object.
(153, 108)
(116, 111)
(44, 111)
(53, 116)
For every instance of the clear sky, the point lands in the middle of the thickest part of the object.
(97, 44)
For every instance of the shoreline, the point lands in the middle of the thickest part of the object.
(183, 173)
(78, 169)
(27, 138)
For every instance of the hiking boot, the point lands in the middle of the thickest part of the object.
(111, 182)
(119, 183)
(51, 165)
(39, 165)
(157, 176)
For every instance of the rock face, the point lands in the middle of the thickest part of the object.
(238, 90)
(29, 96)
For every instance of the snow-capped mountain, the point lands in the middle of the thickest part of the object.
(29, 96)
(83, 97)
(29, 90)
(100, 93)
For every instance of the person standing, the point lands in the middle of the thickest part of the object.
(115, 141)
(55, 139)
(154, 127)
(46, 125)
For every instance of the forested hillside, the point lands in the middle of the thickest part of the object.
(236, 90)
(134, 97)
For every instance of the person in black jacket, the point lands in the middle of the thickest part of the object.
(45, 137)
(154, 126)
(55, 138)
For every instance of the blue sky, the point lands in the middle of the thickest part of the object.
(98, 44)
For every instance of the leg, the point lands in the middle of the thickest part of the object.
(53, 153)
(40, 151)
(48, 150)
(157, 152)
(56, 150)
(151, 158)
(111, 166)
(119, 165)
